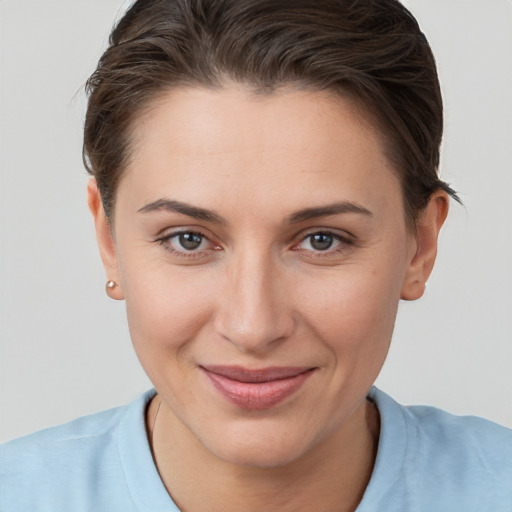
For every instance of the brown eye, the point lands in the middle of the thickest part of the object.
(190, 241)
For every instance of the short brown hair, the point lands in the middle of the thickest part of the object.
(372, 51)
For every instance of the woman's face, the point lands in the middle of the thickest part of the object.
(261, 247)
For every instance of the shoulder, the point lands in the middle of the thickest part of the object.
(475, 445)
(61, 441)
(466, 455)
(460, 433)
(443, 460)
(61, 464)
(434, 426)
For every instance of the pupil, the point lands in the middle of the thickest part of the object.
(190, 240)
(321, 242)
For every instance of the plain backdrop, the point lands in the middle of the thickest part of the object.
(65, 349)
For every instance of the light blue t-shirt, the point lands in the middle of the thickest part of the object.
(427, 460)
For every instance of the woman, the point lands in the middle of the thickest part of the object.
(264, 193)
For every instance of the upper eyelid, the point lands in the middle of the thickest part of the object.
(164, 234)
(343, 235)
(181, 228)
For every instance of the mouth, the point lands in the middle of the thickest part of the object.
(256, 389)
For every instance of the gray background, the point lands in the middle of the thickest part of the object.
(65, 349)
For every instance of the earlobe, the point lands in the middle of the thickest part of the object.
(424, 250)
(105, 241)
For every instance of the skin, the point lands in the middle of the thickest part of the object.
(258, 293)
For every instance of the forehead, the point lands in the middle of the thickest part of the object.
(209, 144)
(246, 115)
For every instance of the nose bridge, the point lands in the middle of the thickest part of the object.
(253, 313)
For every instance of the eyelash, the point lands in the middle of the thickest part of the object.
(344, 243)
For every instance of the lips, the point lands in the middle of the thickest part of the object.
(256, 389)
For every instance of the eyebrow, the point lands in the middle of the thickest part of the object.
(184, 208)
(325, 211)
(210, 216)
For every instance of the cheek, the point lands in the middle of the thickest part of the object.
(165, 317)
(353, 309)
(165, 310)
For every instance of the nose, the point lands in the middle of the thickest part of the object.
(254, 309)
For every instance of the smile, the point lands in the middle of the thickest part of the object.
(256, 389)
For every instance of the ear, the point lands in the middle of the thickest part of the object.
(105, 240)
(424, 246)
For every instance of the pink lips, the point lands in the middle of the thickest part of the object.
(256, 389)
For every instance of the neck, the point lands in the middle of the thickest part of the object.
(331, 478)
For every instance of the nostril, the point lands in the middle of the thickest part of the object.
(257, 330)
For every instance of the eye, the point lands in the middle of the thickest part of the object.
(321, 241)
(324, 241)
(187, 244)
(189, 241)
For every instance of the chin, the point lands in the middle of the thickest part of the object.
(270, 447)
(260, 457)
